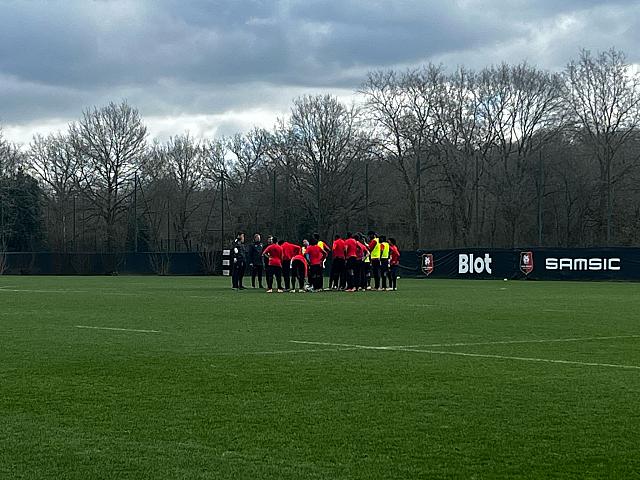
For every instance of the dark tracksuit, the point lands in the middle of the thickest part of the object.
(238, 257)
(385, 257)
(338, 268)
(298, 272)
(256, 262)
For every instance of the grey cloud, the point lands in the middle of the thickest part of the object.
(171, 57)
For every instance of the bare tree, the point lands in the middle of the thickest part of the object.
(10, 157)
(401, 110)
(183, 158)
(250, 152)
(603, 96)
(110, 145)
(522, 106)
(327, 141)
(53, 162)
(464, 140)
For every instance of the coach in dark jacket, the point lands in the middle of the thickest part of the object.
(239, 259)
(256, 262)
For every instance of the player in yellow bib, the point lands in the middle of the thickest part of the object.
(385, 252)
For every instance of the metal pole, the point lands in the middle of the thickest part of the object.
(273, 205)
(75, 245)
(477, 201)
(609, 203)
(540, 193)
(419, 200)
(64, 224)
(135, 212)
(318, 201)
(222, 211)
(2, 239)
(168, 226)
(83, 229)
(366, 194)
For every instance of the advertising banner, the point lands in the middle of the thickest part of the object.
(527, 263)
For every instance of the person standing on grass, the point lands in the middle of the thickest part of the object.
(374, 248)
(289, 250)
(238, 254)
(298, 272)
(351, 252)
(256, 263)
(363, 254)
(273, 253)
(338, 260)
(316, 259)
(394, 261)
(384, 261)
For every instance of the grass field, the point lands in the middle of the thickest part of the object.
(192, 380)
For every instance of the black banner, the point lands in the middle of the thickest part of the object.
(470, 263)
(526, 263)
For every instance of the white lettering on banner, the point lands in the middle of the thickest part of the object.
(468, 263)
(582, 264)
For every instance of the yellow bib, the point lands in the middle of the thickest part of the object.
(375, 253)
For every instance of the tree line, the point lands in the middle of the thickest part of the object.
(505, 156)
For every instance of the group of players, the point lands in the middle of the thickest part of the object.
(356, 263)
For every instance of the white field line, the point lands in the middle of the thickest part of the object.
(41, 291)
(510, 342)
(525, 359)
(96, 291)
(349, 345)
(118, 329)
(282, 352)
(477, 355)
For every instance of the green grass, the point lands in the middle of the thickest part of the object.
(204, 398)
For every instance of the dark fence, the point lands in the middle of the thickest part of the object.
(160, 263)
(473, 263)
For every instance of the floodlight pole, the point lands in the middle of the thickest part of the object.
(75, 246)
(222, 211)
(366, 194)
(135, 212)
(418, 200)
(540, 194)
(477, 199)
(2, 239)
(273, 205)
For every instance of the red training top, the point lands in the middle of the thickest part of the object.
(316, 254)
(301, 259)
(352, 247)
(362, 250)
(394, 255)
(290, 250)
(274, 253)
(338, 248)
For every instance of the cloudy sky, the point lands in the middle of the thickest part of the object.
(216, 67)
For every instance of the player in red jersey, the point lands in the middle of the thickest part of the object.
(298, 272)
(363, 255)
(394, 262)
(316, 258)
(337, 278)
(289, 250)
(351, 246)
(274, 266)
